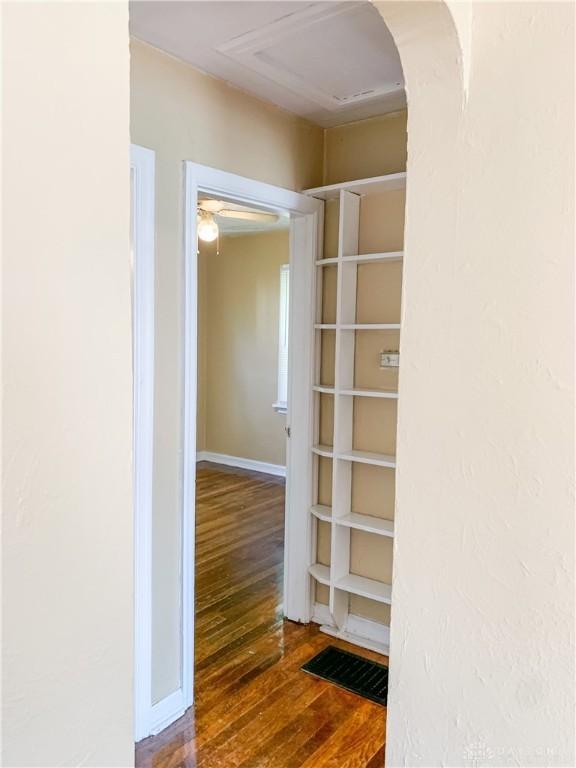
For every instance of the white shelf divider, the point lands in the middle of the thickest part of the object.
(321, 573)
(369, 258)
(374, 185)
(322, 512)
(367, 523)
(361, 392)
(369, 326)
(362, 258)
(323, 450)
(360, 585)
(324, 390)
(368, 457)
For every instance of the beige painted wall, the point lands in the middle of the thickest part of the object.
(240, 318)
(185, 115)
(67, 592)
(482, 646)
(365, 148)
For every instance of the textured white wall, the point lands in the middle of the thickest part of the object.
(482, 668)
(66, 368)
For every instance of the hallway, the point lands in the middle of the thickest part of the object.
(254, 707)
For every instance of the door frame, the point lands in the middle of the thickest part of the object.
(142, 169)
(306, 231)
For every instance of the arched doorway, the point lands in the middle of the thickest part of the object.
(401, 31)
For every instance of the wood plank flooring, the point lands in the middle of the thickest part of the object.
(254, 707)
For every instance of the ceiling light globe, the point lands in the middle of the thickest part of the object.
(207, 228)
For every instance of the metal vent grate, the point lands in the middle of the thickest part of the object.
(355, 674)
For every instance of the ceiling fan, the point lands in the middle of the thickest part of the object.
(207, 209)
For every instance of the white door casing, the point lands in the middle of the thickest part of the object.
(306, 228)
(142, 167)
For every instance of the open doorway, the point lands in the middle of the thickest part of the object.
(243, 332)
(271, 306)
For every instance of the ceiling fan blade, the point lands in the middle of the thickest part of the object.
(270, 218)
(211, 206)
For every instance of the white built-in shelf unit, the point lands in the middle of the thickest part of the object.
(372, 186)
(340, 516)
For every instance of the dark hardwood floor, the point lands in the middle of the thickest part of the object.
(254, 707)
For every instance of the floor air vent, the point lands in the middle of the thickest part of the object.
(355, 674)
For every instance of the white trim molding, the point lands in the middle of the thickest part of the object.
(358, 630)
(237, 461)
(281, 404)
(306, 233)
(189, 416)
(167, 711)
(305, 237)
(142, 170)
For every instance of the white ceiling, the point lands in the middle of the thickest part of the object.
(331, 62)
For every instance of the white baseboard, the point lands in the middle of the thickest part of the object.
(359, 631)
(236, 461)
(321, 614)
(167, 711)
